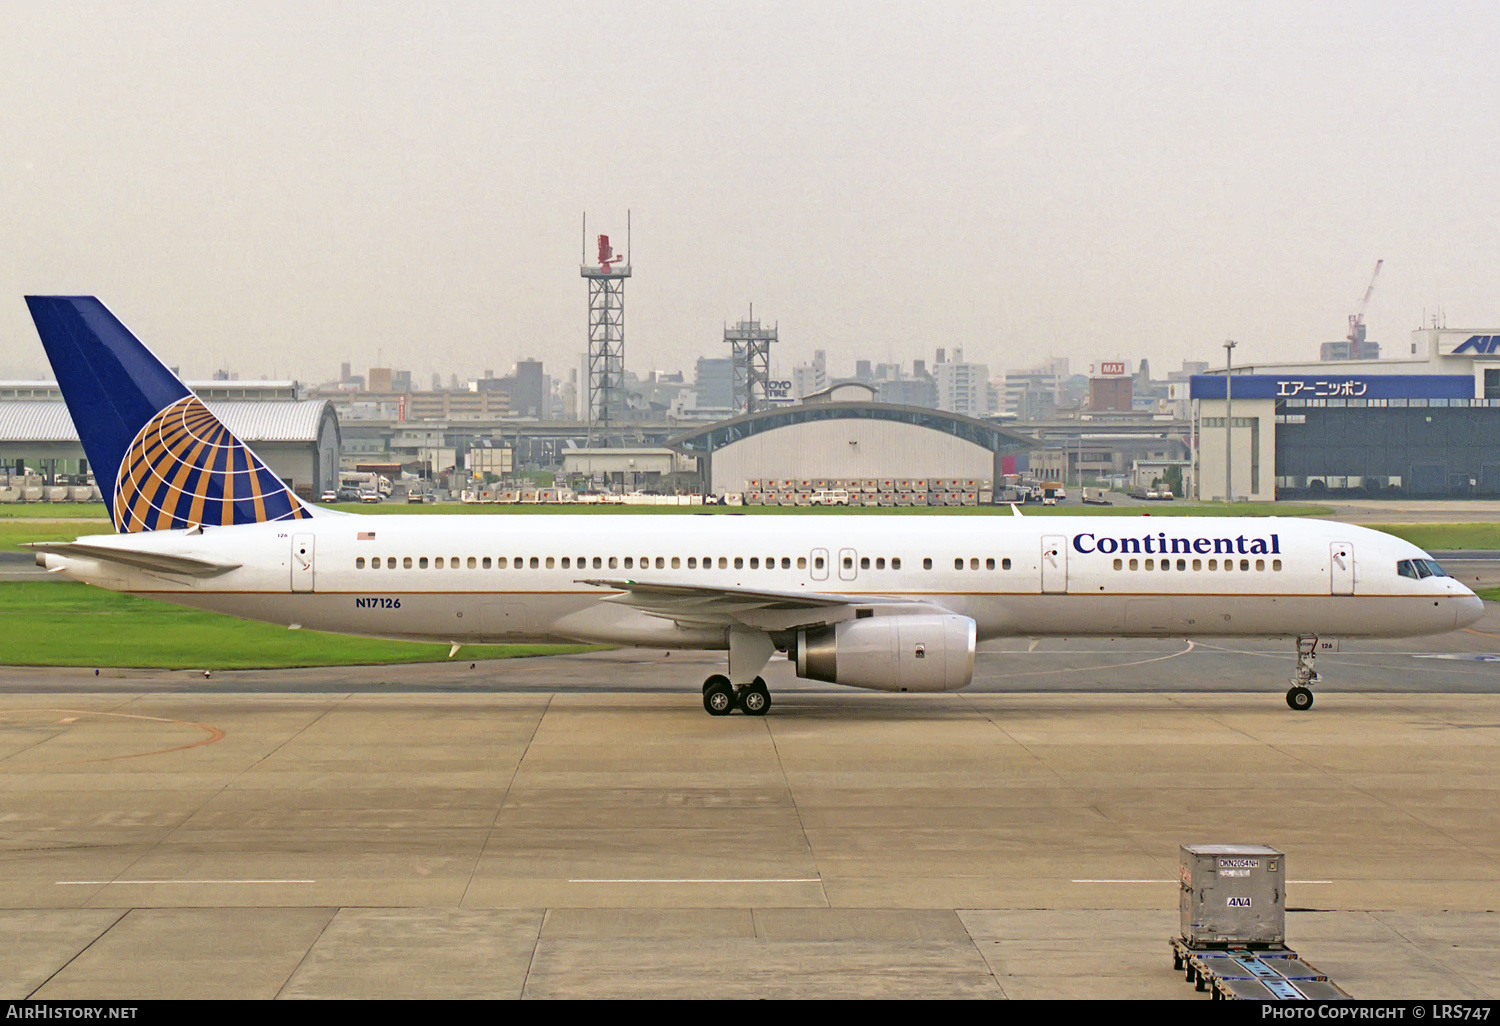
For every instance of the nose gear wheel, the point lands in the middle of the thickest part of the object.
(1300, 697)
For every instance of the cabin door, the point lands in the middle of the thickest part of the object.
(302, 562)
(1054, 564)
(1341, 567)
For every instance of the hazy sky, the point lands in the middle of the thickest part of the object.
(277, 187)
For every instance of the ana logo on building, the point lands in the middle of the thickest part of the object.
(1484, 345)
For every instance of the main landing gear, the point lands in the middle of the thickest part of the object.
(1300, 697)
(749, 652)
(721, 697)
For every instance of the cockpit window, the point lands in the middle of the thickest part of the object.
(1405, 569)
(1416, 569)
(1433, 569)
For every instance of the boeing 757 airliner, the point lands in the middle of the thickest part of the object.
(888, 602)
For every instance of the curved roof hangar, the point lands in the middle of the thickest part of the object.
(848, 440)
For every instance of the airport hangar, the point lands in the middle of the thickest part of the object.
(1424, 426)
(850, 440)
(300, 440)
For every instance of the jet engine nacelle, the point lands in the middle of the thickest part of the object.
(919, 652)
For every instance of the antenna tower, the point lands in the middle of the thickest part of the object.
(606, 359)
(750, 350)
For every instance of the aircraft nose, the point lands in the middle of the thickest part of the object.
(1469, 608)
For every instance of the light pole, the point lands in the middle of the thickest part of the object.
(1229, 345)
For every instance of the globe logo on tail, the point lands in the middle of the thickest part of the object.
(185, 468)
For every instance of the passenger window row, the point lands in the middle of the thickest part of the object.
(1182, 564)
(672, 562)
(989, 564)
(865, 564)
(595, 562)
(973, 563)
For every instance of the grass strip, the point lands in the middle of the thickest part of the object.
(54, 511)
(1446, 536)
(63, 623)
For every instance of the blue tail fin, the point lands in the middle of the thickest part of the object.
(161, 458)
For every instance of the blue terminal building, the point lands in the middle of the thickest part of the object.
(1425, 427)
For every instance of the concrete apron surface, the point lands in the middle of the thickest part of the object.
(626, 844)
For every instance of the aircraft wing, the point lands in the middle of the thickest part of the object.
(160, 562)
(720, 606)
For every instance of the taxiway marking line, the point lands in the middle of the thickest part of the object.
(702, 880)
(214, 735)
(1110, 666)
(100, 883)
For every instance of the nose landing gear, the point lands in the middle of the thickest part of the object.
(1300, 696)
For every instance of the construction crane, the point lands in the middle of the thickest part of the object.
(1357, 320)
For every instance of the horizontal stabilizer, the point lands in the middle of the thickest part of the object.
(161, 562)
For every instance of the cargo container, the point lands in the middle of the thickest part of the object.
(1232, 894)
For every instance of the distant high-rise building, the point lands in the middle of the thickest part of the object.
(529, 394)
(1349, 349)
(809, 378)
(1111, 395)
(380, 379)
(908, 391)
(1031, 394)
(964, 388)
(713, 383)
(1189, 368)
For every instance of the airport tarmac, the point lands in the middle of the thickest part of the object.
(578, 826)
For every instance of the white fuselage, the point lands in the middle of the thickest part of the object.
(470, 579)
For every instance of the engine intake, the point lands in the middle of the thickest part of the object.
(925, 652)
